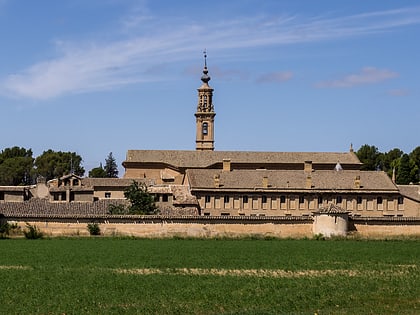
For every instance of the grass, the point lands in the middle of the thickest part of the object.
(141, 276)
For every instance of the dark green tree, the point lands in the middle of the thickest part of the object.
(16, 166)
(415, 162)
(390, 160)
(111, 168)
(97, 172)
(51, 164)
(141, 201)
(369, 156)
(404, 171)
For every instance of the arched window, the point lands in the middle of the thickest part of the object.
(205, 128)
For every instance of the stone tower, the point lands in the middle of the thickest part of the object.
(205, 113)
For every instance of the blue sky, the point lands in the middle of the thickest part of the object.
(111, 75)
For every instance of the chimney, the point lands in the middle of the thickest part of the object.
(357, 182)
(308, 181)
(216, 181)
(308, 167)
(227, 165)
(265, 182)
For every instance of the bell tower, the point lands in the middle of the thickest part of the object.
(205, 113)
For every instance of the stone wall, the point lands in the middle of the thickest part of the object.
(162, 227)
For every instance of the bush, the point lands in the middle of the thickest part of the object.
(94, 229)
(32, 232)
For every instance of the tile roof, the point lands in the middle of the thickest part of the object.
(291, 180)
(203, 159)
(410, 191)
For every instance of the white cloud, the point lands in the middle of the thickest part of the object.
(274, 77)
(367, 75)
(104, 65)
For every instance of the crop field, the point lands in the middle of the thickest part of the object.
(174, 276)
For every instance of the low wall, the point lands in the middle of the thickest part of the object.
(166, 226)
(385, 227)
(161, 227)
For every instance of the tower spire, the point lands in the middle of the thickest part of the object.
(205, 113)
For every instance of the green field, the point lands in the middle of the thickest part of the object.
(139, 276)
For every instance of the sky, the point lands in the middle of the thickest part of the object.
(103, 76)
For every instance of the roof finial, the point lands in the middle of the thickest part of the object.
(205, 58)
(205, 78)
(351, 147)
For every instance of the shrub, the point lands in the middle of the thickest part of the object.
(32, 232)
(94, 229)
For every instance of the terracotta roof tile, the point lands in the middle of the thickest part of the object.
(291, 180)
(203, 159)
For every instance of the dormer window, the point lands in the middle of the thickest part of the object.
(205, 128)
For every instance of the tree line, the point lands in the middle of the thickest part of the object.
(19, 167)
(405, 166)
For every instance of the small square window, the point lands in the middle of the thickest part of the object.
(165, 198)
(339, 199)
(301, 199)
(207, 199)
(359, 200)
(379, 200)
(282, 199)
(107, 195)
(226, 199)
(245, 199)
(400, 200)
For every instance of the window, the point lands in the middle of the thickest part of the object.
(63, 196)
(165, 198)
(156, 197)
(207, 199)
(1, 195)
(205, 128)
(379, 200)
(339, 199)
(226, 199)
(56, 197)
(107, 195)
(264, 199)
(282, 199)
(400, 200)
(320, 200)
(245, 199)
(301, 199)
(359, 200)
(75, 182)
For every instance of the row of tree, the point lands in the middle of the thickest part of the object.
(405, 166)
(19, 167)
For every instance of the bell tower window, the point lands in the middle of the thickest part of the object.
(205, 128)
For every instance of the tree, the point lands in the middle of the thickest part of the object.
(390, 160)
(369, 156)
(97, 172)
(111, 168)
(141, 201)
(415, 160)
(404, 171)
(16, 166)
(51, 164)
